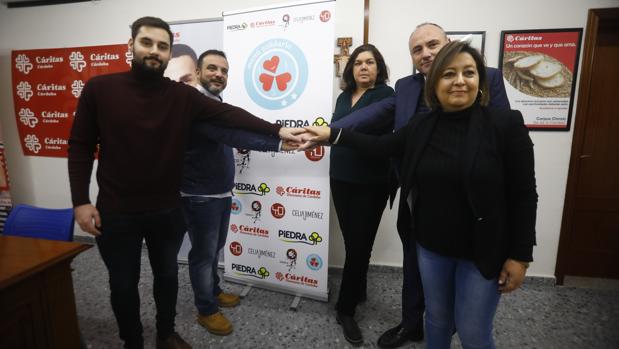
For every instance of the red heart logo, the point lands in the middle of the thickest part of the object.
(267, 81)
(282, 81)
(271, 65)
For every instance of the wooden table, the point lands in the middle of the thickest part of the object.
(37, 303)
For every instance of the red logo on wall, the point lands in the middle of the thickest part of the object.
(280, 190)
(315, 154)
(279, 276)
(325, 16)
(278, 210)
(234, 228)
(46, 85)
(236, 248)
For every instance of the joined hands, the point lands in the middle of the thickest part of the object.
(306, 138)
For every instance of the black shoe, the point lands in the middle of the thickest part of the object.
(352, 332)
(174, 341)
(397, 336)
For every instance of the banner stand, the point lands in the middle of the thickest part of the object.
(278, 237)
(295, 301)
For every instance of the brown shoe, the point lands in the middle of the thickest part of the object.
(228, 300)
(216, 324)
(174, 341)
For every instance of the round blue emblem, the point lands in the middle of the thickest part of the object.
(276, 74)
(314, 262)
(236, 206)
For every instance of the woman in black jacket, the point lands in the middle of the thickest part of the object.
(468, 196)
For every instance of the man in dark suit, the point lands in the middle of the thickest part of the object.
(424, 43)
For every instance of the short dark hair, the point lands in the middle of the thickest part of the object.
(444, 57)
(210, 52)
(183, 50)
(151, 22)
(382, 75)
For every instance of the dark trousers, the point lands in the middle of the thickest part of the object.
(359, 208)
(413, 304)
(120, 245)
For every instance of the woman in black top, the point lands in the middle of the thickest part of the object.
(468, 196)
(359, 183)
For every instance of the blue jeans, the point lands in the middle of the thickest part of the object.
(456, 294)
(120, 246)
(207, 223)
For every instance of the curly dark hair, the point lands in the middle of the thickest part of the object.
(151, 22)
(382, 75)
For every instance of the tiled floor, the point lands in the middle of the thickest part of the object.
(537, 316)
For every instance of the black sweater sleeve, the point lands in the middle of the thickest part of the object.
(227, 115)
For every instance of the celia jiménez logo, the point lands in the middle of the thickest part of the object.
(276, 74)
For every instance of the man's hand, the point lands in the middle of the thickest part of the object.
(289, 146)
(512, 275)
(88, 219)
(291, 134)
(315, 135)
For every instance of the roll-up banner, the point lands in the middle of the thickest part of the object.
(198, 35)
(283, 68)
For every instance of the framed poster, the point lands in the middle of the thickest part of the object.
(477, 38)
(539, 70)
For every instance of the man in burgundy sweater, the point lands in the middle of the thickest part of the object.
(140, 121)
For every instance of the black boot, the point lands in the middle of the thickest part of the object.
(352, 332)
(397, 336)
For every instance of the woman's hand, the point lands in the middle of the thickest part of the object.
(315, 135)
(321, 133)
(512, 275)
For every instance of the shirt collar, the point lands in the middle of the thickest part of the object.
(208, 93)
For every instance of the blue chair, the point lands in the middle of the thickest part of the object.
(42, 223)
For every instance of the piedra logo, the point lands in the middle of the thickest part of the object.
(319, 121)
(296, 237)
(251, 189)
(246, 270)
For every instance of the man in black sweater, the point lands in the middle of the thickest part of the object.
(140, 122)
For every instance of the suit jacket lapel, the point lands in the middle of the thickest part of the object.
(407, 98)
(416, 95)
